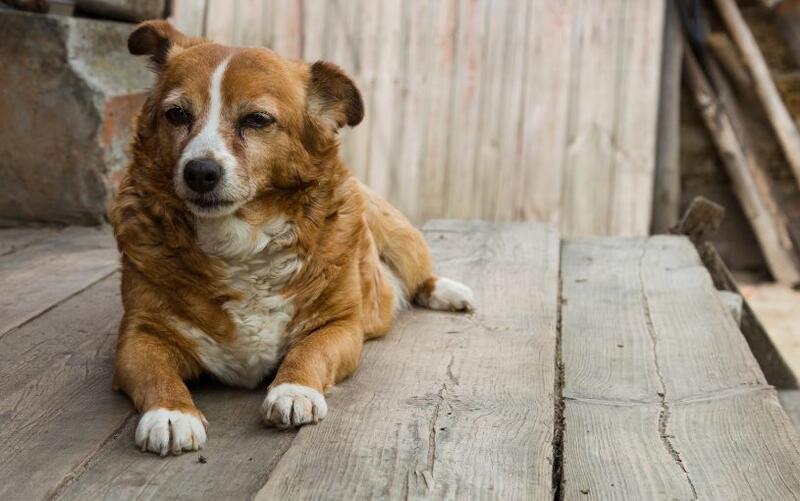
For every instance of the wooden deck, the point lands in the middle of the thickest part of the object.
(602, 368)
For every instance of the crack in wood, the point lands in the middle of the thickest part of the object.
(664, 413)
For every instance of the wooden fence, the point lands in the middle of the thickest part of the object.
(492, 109)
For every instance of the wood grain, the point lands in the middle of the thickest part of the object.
(238, 457)
(14, 239)
(656, 373)
(189, 16)
(51, 270)
(667, 182)
(421, 418)
(56, 403)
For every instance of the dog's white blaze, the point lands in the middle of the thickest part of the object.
(258, 265)
(209, 142)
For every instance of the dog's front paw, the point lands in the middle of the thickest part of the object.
(163, 431)
(293, 405)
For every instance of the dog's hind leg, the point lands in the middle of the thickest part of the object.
(404, 250)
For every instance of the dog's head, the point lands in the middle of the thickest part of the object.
(226, 124)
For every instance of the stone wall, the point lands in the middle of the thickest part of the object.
(68, 94)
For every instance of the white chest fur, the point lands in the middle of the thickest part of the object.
(258, 265)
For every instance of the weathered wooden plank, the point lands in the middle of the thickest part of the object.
(656, 373)
(219, 18)
(14, 239)
(538, 192)
(189, 16)
(790, 400)
(51, 270)
(421, 418)
(700, 348)
(246, 31)
(635, 122)
(56, 403)
(60, 420)
(238, 457)
(589, 163)
(739, 445)
(468, 93)
(612, 451)
(440, 60)
(382, 157)
(496, 204)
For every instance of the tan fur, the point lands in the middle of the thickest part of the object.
(340, 231)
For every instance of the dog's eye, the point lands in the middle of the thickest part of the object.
(257, 120)
(178, 116)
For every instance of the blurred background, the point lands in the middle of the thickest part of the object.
(600, 117)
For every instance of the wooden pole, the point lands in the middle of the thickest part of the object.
(749, 182)
(667, 185)
(765, 88)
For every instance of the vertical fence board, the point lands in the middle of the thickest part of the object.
(491, 109)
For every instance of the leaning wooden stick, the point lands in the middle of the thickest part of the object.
(765, 88)
(748, 179)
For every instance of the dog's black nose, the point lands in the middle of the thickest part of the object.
(202, 175)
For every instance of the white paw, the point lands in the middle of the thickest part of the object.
(293, 405)
(163, 431)
(451, 295)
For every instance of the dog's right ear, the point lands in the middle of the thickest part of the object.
(158, 39)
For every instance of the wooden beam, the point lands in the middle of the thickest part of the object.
(663, 398)
(765, 88)
(728, 56)
(667, 185)
(749, 181)
(55, 392)
(420, 418)
(51, 270)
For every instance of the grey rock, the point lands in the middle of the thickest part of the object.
(124, 10)
(68, 94)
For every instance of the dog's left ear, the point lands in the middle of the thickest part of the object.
(157, 39)
(333, 97)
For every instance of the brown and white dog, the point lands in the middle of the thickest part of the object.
(246, 244)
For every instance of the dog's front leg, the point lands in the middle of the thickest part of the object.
(150, 372)
(312, 365)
